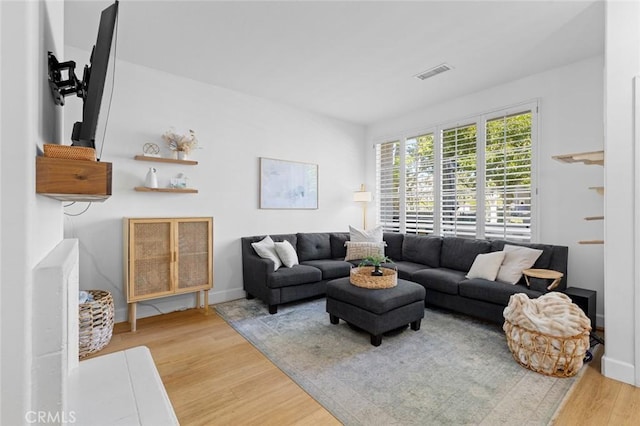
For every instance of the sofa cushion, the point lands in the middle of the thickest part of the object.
(296, 275)
(459, 253)
(406, 269)
(394, 245)
(357, 251)
(373, 235)
(266, 249)
(376, 301)
(286, 253)
(493, 291)
(516, 260)
(486, 265)
(292, 238)
(313, 246)
(538, 284)
(423, 249)
(337, 240)
(439, 279)
(330, 268)
(543, 262)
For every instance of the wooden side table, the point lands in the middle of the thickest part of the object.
(546, 274)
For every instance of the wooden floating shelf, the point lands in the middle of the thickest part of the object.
(595, 157)
(591, 242)
(87, 198)
(73, 180)
(165, 160)
(176, 190)
(594, 218)
(598, 189)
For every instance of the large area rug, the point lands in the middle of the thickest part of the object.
(454, 370)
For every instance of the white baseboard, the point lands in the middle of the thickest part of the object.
(618, 370)
(165, 305)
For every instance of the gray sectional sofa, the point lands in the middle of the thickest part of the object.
(437, 263)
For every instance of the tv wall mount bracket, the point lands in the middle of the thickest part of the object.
(62, 88)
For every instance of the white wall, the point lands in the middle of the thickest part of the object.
(570, 120)
(235, 130)
(30, 225)
(622, 350)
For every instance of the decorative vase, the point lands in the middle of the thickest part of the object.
(174, 155)
(376, 271)
(152, 178)
(183, 155)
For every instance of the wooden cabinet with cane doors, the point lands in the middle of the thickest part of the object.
(167, 256)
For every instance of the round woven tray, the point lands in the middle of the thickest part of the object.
(361, 277)
(96, 322)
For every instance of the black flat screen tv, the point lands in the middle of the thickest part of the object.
(93, 80)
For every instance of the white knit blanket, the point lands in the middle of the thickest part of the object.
(552, 313)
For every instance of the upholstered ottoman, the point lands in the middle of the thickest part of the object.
(376, 311)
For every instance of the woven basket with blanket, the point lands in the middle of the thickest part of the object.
(549, 335)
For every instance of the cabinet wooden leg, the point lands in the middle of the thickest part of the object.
(132, 315)
(198, 300)
(206, 302)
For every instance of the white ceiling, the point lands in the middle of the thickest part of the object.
(351, 60)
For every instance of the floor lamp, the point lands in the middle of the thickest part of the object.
(363, 197)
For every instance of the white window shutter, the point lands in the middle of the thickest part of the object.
(388, 185)
(458, 184)
(419, 184)
(508, 177)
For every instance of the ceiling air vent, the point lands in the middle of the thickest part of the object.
(433, 71)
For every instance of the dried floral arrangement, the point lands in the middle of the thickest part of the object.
(178, 142)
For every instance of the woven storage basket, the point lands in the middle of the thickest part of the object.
(69, 152)
(96, 322)
(361, 277)
(550, 355)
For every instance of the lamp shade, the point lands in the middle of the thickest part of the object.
(362, 196)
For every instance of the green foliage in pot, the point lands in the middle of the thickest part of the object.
(375, 260)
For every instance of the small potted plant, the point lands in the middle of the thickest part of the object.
(376, 261)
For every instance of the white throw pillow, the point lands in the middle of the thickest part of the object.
(357, 251)
(266, 249)
(486, 265)
(516, 260)
(361, 236)
(286, 253)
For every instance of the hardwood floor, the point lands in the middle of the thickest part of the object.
(215, 377)
(597, 400)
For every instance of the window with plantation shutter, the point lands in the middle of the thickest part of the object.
(458, 186)
(473, 180)
(508, 177)
(419, 184)
(388, 185)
